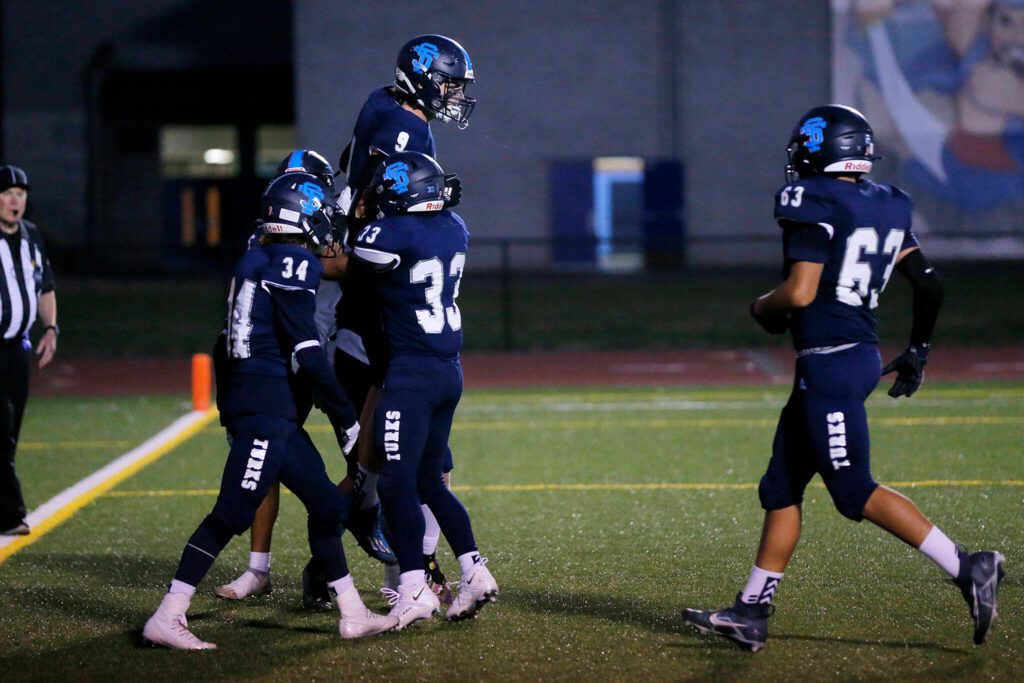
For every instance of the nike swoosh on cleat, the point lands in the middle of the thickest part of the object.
(417, 596)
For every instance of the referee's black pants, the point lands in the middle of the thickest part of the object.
(14, 360)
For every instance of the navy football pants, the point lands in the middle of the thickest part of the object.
(824, 429)
(355, 378)
(412, 424)
(265, 449)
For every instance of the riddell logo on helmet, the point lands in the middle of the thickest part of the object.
(859, 166)
(434, 206)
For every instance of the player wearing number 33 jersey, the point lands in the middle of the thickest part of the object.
(843, 236)
(415, 251)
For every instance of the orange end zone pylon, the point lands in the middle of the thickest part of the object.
(202, 366)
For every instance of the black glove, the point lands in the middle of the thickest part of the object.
(909, 367)
(772, 324)
(452, 190)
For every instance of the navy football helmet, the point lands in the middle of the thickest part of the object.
(407, 182)
(308, 161)
(433, 73)
(299, 204)
(830, 139)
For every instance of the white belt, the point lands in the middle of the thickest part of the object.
(822, 350)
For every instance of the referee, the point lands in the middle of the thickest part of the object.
(26, 292)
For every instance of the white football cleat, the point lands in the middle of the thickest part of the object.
(251, 582)
(364, 623)
(411, 604)
(476, 589)
(168, 626)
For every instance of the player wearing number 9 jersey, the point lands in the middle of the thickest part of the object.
(415, 251)
(432, 75)
(843, 236)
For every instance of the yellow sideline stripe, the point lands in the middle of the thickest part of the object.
(955, 420)
(64, 505)
(653, 486)
(54, 445)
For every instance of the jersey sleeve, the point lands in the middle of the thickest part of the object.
(909, 241)
(805, 215)
(905, 212)
(378, 248)
(803, 202)
(47, 284)
(805, 242)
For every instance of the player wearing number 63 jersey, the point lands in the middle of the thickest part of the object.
(843, 236)
(415, 250)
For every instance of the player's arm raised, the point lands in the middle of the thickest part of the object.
(928, 295)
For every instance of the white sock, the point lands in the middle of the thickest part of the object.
(342, 585)
(467, 561)
(942, 551)
(181, 588)
(432, 533)
(412, 580)
(260, 562)
(346, 595)
(761, 586)
(367, 488)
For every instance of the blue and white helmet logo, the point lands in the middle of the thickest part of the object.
(398, 173)
(813, 128)
(425, 53)
(314, 197)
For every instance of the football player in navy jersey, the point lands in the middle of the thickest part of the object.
(415, 251)
(432, 74)
(255, 580)
(843, 236)
(275, 358)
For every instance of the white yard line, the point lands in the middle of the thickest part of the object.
(64, 505)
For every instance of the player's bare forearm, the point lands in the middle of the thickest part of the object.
(796, 291)
(335, 264)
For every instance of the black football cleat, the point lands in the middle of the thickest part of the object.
(316, 596)
(978, 581)
(746, 625)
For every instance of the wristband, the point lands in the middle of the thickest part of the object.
(55, 328)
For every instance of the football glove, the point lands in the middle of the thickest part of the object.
(909, 367)
(452, 190)
(772, 324)
(347, 438)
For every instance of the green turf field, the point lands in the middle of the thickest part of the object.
(603, 513)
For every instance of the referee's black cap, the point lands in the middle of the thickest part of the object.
(12, 176)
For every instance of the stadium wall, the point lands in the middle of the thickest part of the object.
(717, 84)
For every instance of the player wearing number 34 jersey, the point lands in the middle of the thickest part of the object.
(843, 236)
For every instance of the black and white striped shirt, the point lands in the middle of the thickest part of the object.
(26, 275)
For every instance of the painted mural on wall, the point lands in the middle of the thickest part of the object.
(942, 82)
